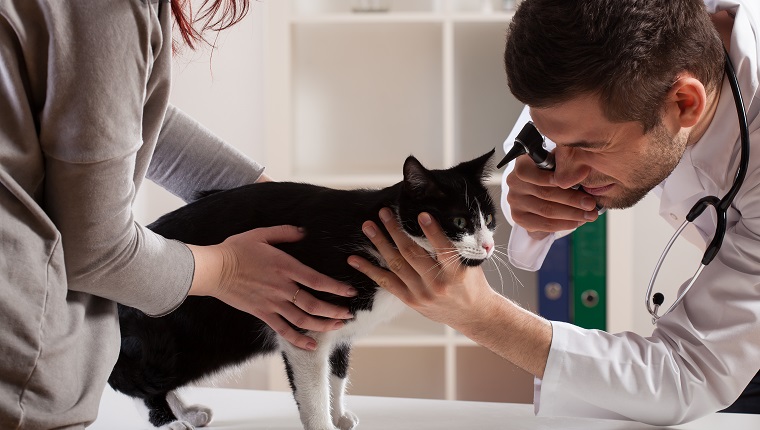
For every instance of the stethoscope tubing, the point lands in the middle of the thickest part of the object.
(720, 205)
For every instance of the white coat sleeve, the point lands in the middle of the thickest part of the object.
(699, 358)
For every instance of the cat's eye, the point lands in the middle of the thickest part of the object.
(460, 222)
(489, 219)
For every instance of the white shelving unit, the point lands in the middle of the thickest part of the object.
(349, 96)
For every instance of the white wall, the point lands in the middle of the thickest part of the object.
(637, 237)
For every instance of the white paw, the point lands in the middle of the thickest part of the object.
(197, 415)
(347, 421)
(178, 425)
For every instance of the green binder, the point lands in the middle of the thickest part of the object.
(589, 274)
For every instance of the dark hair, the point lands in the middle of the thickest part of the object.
(191, 26)
(627, 52)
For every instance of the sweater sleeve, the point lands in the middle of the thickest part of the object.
(99, 62)
(189, 159)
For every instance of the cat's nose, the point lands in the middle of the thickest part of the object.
(488, 247)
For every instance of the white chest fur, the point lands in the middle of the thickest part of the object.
(384, 308)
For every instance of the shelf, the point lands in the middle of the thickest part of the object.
(367, 18)
(347, 182)
(394, 17)
(412, 341)
(377, 181)
(494, 17)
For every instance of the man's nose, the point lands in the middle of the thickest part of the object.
(568, 171)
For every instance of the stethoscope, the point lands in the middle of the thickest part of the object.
(721, 208)
(530, 141)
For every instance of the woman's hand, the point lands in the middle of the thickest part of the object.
(247, 272)
(439, 288)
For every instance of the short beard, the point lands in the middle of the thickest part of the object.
(657, 164)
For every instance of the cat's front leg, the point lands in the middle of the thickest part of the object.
(342, 418)
(308, 373)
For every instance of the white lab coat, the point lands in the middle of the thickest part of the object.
(701, 356)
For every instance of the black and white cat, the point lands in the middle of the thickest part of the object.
(204, 335)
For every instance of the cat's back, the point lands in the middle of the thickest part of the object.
(317, 209)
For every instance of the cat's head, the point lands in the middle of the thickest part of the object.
(458, 199)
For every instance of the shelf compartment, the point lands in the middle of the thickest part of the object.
(414, 372)
(326, 7)
(485, 110)
(483, 376)
(365, 96)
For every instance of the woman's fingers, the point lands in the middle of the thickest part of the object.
(298, 271)
(308, 305)
(309, 277)
(279, 325)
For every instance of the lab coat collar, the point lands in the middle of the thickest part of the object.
(709, 166)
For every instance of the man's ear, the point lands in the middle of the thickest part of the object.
(687, 101)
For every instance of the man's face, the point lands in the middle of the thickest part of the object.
(615, 162)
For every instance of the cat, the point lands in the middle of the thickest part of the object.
(204, 335)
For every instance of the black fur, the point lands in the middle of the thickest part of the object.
(205, 335)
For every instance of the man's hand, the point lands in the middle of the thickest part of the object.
(539, 206)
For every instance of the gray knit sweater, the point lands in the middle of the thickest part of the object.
(84, 117)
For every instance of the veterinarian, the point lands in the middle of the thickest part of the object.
(84, 119)
(636, 96)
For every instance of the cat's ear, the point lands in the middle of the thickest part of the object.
(417, 179)
(481, 167)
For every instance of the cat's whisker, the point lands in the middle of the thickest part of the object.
(511, 271)
(447, 263)
(493, 261)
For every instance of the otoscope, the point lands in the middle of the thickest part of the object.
(530, 141)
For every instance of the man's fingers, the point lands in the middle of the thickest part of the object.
(409, 253)
(416, 256)
(434, 232)
(384, 278)
(527, 171)
(394, 259)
